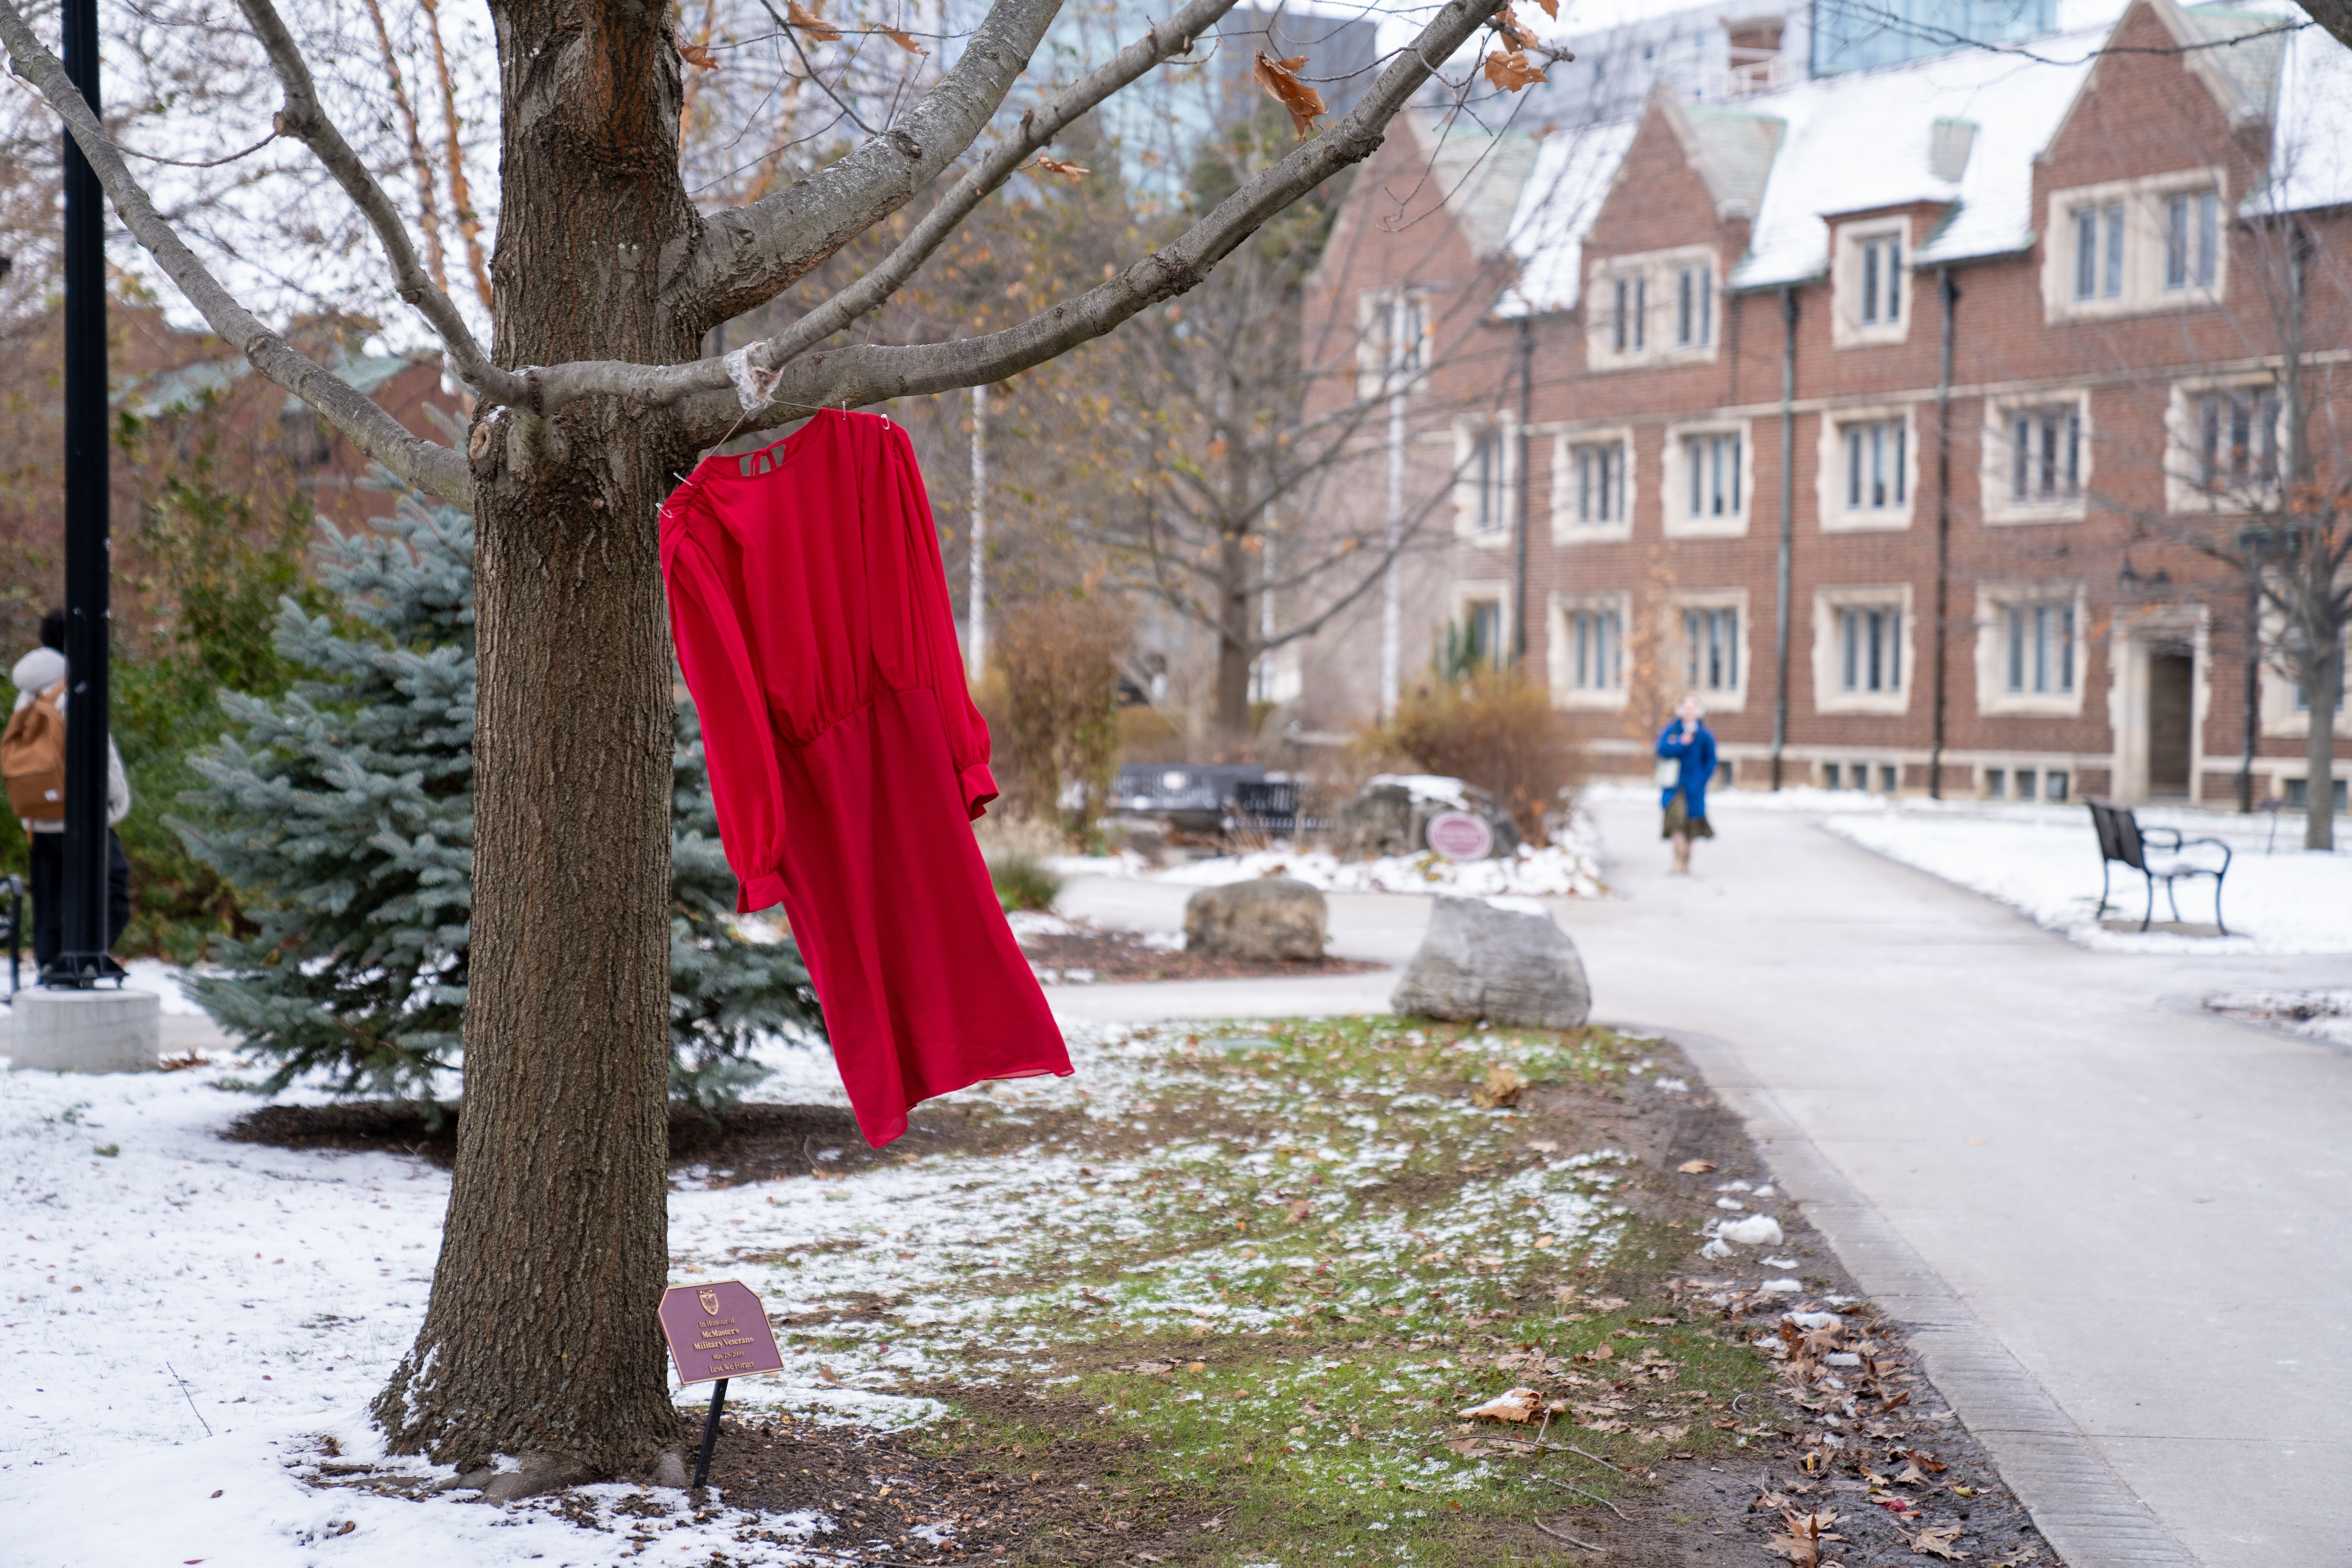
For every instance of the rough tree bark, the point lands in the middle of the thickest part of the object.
(540, 1335)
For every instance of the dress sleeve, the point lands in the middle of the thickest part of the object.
(735, 740)
(967, 732)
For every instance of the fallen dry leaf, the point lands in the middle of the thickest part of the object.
(1299, 1209)
(809, 22)
(1769, 1502)
(1519, 1405)
(699, 55)
(1804, 1532)
(1151, 1368)
(1695, 1167)
(828, 1374)
(1509, 70)
(1280, 77)
(904, 40)
(1940, 1540)
(1055, 166)
(1503, 1085)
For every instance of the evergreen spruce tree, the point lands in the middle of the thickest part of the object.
(343, 813)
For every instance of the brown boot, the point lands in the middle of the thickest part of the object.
(1682, 856)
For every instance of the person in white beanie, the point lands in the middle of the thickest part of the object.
(34, 674)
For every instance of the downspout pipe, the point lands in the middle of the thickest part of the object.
(1951, 296)
(1519, 523)
(1788, 526)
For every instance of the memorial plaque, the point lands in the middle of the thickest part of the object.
(1461, 836)
(718, 1331)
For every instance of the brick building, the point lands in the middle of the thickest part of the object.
(1886, 410)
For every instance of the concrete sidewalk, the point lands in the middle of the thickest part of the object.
(2122, 1221)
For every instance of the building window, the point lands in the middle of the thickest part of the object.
(2045, 453)
(1882, 279)
(1694, 307)
(1870, 648)
(1996, 783)
(2025, 784)
(1482, 627)
(1600, 482)
(2099, 251)
(2192, 239)
(2056, 783)
(1392, 351)
(2237, 439)
(2040, 649)
(1632, 310)
(1714, 464)
(1485, 480)
(1711, 649)
(1597, 640)
(1875, 465)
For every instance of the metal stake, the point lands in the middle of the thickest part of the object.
(710, 1432)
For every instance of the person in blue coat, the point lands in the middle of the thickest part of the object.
(1686, 762)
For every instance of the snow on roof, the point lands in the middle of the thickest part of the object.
(1868, 139)
(2311, 150)
(1573, 173)
(1479, 171)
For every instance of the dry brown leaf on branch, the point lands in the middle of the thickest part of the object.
(809, 22)
(1550, 8)
(1055, 166)
(1804, 1532)
(1502, 1087)
(699, 55)
(1940, 1540)
(1519, 1405)
(1695, 1167)
(1514, 33)
(1509, 70)
(1280, 77)
(904, 40)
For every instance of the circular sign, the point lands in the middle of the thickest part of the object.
(1461, 836)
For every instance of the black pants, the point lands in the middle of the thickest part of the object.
(49, 893)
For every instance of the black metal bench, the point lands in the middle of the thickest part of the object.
(2123, 841)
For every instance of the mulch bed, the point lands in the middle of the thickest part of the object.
(1111, 956)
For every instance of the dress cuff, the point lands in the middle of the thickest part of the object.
(979, 789)
(762, 893)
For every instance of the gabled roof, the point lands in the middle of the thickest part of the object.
(1480, 173)
(1958, 130)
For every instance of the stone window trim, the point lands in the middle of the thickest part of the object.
(2142, 286)
(2282, 711)
(1674, 678)
(1996, 477)
(1381, 313)
(1465, 598)
(1830, 511)
(1486, 482)
(1861, 288)
(1994, 698)
(1830, 695)
(1560, 651)
(2185, 488)
(1674, 493)
(1567, 526)
(1653, 319)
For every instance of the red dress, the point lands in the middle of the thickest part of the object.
(847, 759)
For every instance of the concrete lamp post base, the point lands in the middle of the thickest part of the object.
(86, 1031)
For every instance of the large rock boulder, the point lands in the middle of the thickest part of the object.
(1271, 919)
(1504, 965)
(1390, 815)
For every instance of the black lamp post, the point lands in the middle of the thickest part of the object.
(82, 959)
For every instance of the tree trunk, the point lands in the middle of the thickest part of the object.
(1235, 648)
(540, 1337)
(2323, 679)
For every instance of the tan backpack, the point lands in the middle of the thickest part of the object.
(33, 758)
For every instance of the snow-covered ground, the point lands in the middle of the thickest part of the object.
(2321, 1014)
(183, 1318)
(1570, 868)
(2043, 862)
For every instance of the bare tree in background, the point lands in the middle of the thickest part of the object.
(605, 276)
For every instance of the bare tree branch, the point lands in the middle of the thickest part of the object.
(873, 373)
(561, 385)
(749, 254)
(2336, 16)
(306, 118)
(424, 463)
